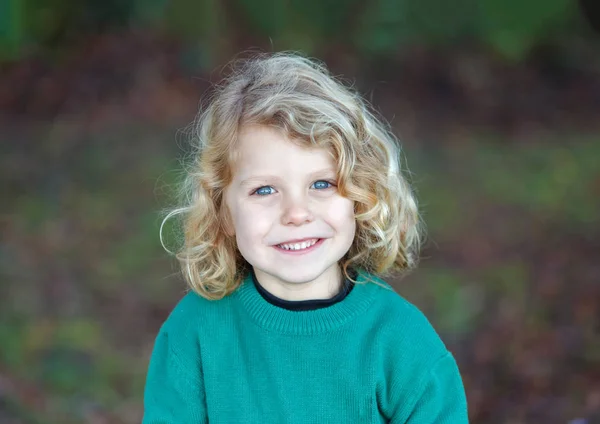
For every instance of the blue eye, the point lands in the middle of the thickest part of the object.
(322, 184)
(264, 190)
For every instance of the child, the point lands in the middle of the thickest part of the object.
(295, 206)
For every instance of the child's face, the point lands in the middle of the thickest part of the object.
(281, 195)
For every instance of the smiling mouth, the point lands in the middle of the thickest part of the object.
(306, 244)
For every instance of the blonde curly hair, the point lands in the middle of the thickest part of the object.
(299, 97)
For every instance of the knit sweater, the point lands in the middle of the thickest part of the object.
(371, 358)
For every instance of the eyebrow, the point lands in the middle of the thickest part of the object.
(255, 178)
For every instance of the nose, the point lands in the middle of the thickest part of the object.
(296, 212)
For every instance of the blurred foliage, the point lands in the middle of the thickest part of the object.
(513, 27)
(373, 27)
(388, 24)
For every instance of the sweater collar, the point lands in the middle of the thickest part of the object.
(317, 321)
(304, 305)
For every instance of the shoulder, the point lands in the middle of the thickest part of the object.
(189, 306)
(188, 317)
(402, 324)
(409, 350)
(186, 311)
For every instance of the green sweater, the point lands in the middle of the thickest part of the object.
(371, 358)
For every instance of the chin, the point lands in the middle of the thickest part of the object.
(296, 279)
(299, 277)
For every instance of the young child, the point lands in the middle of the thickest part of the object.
(296, 205)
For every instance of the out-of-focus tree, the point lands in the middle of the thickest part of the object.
(514, 27)
(34, 26)
(365, 27)
(591, 10)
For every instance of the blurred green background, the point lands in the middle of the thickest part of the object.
(497, 103)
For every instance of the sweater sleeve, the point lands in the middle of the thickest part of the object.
(440, 398)
(174, 391)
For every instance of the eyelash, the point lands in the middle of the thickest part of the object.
(331, 184)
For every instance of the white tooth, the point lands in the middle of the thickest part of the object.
(299, 246)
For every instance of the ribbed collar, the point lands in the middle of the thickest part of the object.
(304, 305)
(274, 318)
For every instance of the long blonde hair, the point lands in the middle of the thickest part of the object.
(299, 97)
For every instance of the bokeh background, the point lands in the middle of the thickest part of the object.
(497, 104)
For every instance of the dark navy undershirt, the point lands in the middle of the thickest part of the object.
(304, 305)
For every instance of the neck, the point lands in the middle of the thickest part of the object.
(325, 286)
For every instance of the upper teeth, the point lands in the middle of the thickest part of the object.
(299, 246)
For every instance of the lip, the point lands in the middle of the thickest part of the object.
(298, 240)
(303, 251)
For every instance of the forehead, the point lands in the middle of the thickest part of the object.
(263, 150)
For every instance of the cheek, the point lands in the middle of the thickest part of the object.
(341, 215)
(251, 225)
